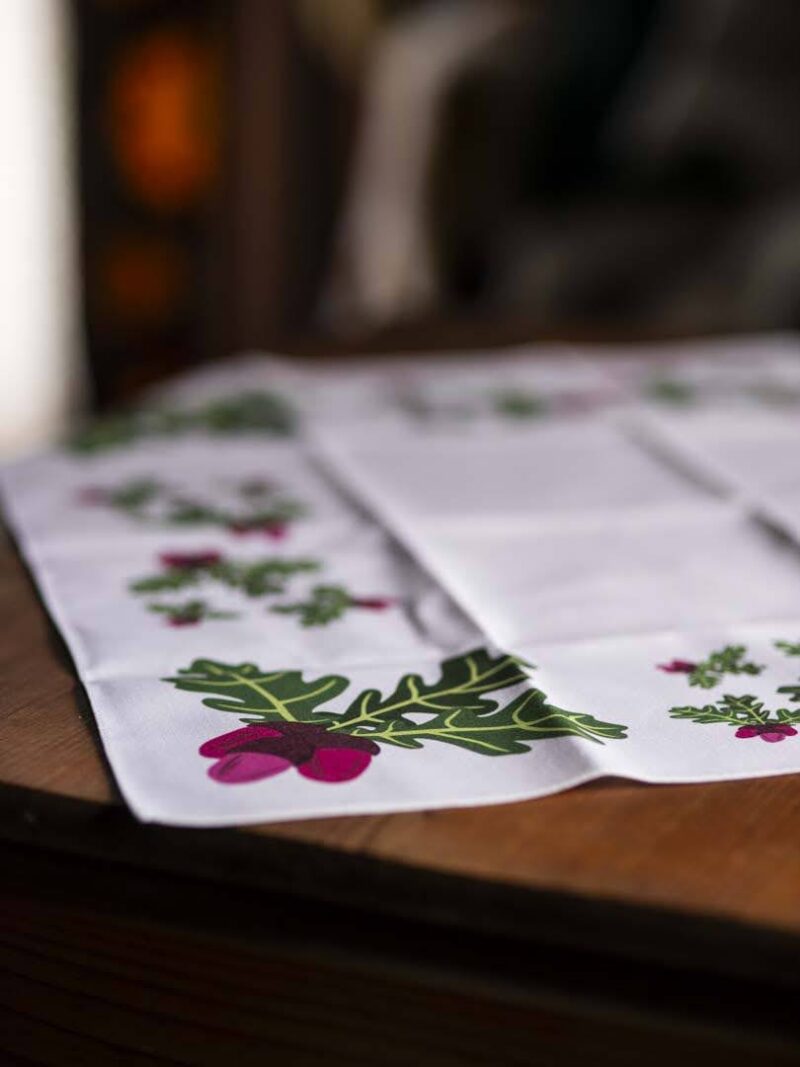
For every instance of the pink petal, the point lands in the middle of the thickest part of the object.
(277, 531)
(177, 620)
(772, 736)
(221, 746)
(335, 764)
(181, 560)
(373, 603)
(785, 729)
(747, 731)
(241, 767)
(677, 666)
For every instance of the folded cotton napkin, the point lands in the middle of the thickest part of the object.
(296, 592)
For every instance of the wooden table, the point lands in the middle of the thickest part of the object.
(612, 924)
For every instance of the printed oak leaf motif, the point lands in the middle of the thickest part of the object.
(326, 603)
(789, 648)
(185, 570)
(132, 497)
(670, 391)
(519, 404)
(746, 713)
(262, 509)
(709, 672)
(259, 696)
(461, 707)
(188, 613)
(255, 578)
(258, 412)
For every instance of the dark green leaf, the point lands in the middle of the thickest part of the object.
(456, 708)
(707, 714)
(670, 391)
(519, 404)
(254, 412)
(260, 695)
(459, 710)
(728, 660)
(174, 578)
(326, 603)
(503, 732)
(744, 710)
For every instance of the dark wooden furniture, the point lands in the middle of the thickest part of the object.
(616, 923)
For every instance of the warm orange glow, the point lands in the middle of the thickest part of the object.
(142, 279)
(163, 118)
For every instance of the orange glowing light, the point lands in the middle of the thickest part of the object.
(163, 118)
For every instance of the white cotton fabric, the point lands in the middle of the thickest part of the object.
(592, 529)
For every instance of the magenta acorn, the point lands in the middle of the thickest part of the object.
(189, 560)
(768, 731)
(262, 751)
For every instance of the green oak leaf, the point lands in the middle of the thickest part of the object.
(134, 495)
(253, 412)
(789, 648)
(258, 578)
(503, 732)
(283, 509)
(172, 579)
(457, 708)
(707, 714)
(670, 391)
(104, 433)
(181, 512)
(728, 660)
(190, 611)
(325, 604)
(465, 680)
(263, 577)
(264, 412)
(744, 710)
(459, 711)
(258, 695)
(519, 404)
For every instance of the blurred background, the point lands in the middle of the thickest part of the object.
(186, 178)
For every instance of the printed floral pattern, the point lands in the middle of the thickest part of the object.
(289, 722)
(708, 672)
(515, 403)
(258, 507)
(188, 612)
(254, 579)
(746, 713)
(329, 602)
(257, 412)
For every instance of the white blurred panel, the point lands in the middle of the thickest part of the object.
(38, 266)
